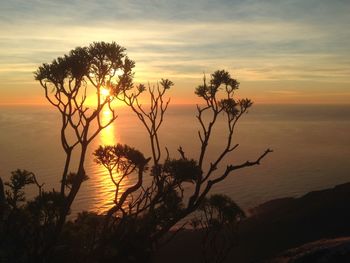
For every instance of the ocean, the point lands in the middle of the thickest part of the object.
(311, 145)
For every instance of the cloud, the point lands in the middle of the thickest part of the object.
(256, 40)
(283, 92)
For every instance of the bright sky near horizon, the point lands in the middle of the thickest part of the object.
(281, 51)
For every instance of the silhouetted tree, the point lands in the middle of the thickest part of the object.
(162, 204)
(66, 82)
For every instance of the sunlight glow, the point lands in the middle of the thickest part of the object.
(105, 92)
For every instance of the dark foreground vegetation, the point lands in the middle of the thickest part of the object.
(315, 225)
(140, 220)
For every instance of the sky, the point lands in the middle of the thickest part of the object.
(281, 51)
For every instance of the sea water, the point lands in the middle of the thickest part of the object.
(311, 149)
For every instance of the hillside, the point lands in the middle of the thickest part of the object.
(276, 226)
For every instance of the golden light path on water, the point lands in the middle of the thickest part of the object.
(104, 193)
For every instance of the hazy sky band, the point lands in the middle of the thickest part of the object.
(280, 51)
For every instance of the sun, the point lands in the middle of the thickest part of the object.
(105, 92)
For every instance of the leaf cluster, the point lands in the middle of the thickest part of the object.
(220, 209)
(18, 180)
(97, 61)
(182, 170)
(121, 155)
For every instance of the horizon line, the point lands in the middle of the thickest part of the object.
(188, 104)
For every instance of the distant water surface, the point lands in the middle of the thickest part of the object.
(311, 146)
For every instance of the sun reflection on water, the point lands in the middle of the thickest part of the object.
(105, 189)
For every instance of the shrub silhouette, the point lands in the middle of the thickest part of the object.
(218, 218)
